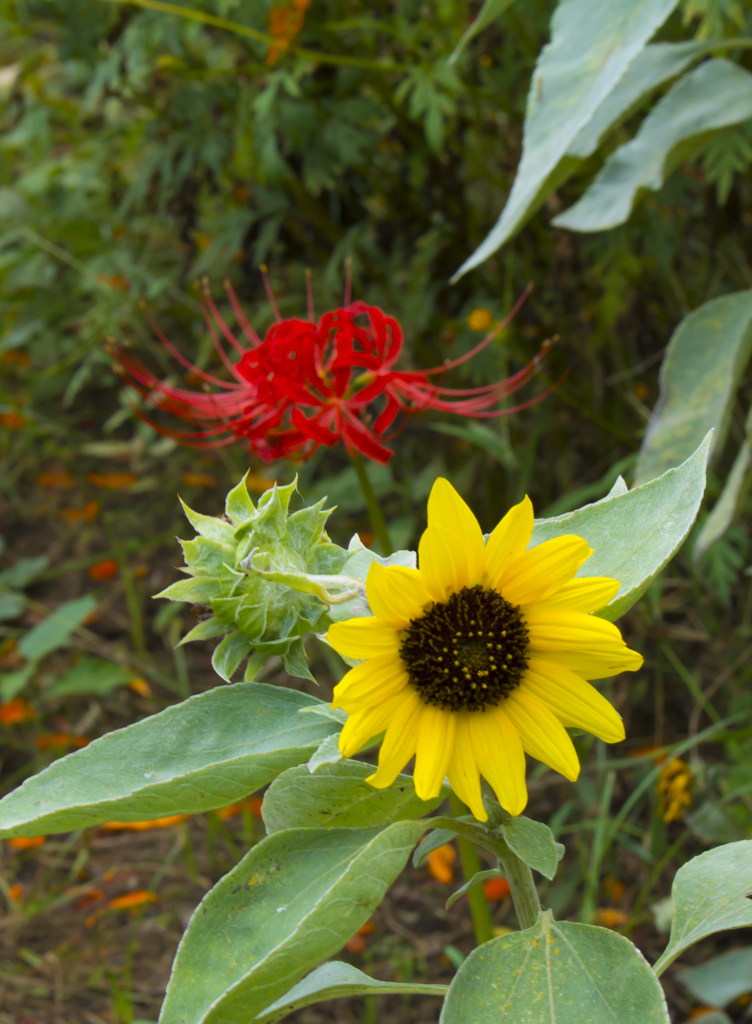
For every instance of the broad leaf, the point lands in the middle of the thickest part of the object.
(534, 843)
(337, 979)
(633, 535)
(651, 68)
(714, 96)
(207, 752)
(710, 895)
(95, 676)
(293, 900)
(556, 972)
(55, 630)
(338, 794)
(593, 42)
(23, 572)
(700, 375)
(721, 979)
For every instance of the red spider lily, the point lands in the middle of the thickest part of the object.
(313, 383)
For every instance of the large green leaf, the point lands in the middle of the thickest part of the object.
(338, 794)
(718, 981)
(700, 375)
(634, 534)
(293, 900)
(337, 979)
(556, 973)
(711, 894)
(714, 96)
(651, 68)
(593, 42)
(206, 752)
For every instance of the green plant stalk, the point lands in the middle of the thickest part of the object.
(372, 504)
(471, 865)
(521, 887)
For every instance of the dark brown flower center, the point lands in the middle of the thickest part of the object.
(468, 652)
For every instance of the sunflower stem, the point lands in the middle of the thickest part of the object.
(521, 887)
(372, 504)
(471, 865)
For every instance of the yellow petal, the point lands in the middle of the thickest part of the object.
(573, 701)
(364, 725)
(573, 631)
(499, 755)
(396, 594)
(400, 740)
(594, 666)
(542, 734)
(508, 540)
(447, 510)
(586, 594)
(436, 730)
(442, 561)
(464, 777)
(535, 574)
(363, 638)
(370, 682)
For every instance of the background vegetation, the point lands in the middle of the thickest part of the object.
(141, 151)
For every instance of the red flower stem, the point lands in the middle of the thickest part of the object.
(372, 504)
(479, 908)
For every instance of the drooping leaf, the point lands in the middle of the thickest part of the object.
(731, 500)
(652, 67)
(534, 843)
(55, 630)
(294, 899)
(593, 42)
(721, 979)
(700, 375)
(207, 752)
(95, 676)
(634, 534)
(556, 972)
(338, 795)
(489, 12)
(477, 879)
(713, 96)
(711, 894)
(435, 839)
(335, 980)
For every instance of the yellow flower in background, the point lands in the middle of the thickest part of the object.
(480, 655)
(480, 320)
(675, 789)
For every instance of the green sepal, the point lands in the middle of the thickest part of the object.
(197, 590)
(205, 630)
(238, 505)
(229, 653)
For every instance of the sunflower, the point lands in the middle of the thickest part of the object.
(480, 655)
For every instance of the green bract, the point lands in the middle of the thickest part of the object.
(237, 566)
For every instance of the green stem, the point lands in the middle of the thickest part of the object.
(372, 504)
(522, 888)
(471, 865)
